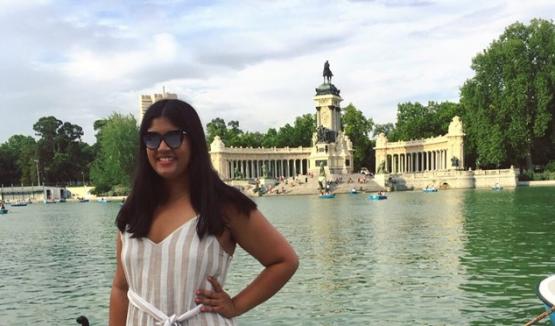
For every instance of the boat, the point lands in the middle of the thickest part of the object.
(327, 196)
(82, 200)
(102, 200)
(19, 204)
(354, 191)
(377, 197)
(3, 211)
(50, 201)
(496, 187)
(546, 293)
(429, 189)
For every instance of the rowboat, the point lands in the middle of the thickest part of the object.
(3, 211)
(429, 189)
(19, 204)
(327, 196)
(377, 197)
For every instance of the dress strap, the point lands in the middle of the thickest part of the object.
(162, 318)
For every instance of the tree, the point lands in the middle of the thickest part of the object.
(214, 128)
(304, 126)
(63, 157)
(415, 121)
(509, 104)
(118, 144)
(388, 129)
(357, 127)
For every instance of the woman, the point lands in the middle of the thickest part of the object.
(178, 230)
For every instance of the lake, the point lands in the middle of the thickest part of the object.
(456, 257)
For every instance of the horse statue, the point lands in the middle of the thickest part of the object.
(327, 72)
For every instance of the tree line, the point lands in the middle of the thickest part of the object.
(507, 109)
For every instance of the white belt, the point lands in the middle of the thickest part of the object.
(162, 318)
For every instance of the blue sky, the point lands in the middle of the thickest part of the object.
(253, 61)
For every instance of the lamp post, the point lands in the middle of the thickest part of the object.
(38, 172)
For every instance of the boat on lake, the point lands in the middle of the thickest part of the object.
(354, 191)
(377, 197)
(429, 189)
(327, 196)
(496, 187)
(19, 204)
(3, 211)
(546, 293)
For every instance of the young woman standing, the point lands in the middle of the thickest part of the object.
(178, 230)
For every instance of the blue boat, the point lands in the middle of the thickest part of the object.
(429, 189)
(377, 197)
(327, 196)
(546, 293)
(3, 211)
(354, 191)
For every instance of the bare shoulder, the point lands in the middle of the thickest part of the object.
(256, 235)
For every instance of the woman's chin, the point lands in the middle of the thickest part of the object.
(167, 173)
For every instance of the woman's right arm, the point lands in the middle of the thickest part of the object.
(118, 296)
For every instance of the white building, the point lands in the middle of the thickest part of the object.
(145, 101)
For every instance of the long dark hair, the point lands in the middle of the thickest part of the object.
(210, 196)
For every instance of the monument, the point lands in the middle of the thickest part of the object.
(330, 149)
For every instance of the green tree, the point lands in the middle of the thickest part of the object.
(270, 138)
(63, 157)
(415, 121)
(509, 104)
(357, 127)
(304, 126)
(388, 129)
(9, 171)
(216, 127)
(118, 144)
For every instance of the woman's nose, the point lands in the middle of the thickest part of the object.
(163, 145)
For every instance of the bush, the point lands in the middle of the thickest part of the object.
(550, 166)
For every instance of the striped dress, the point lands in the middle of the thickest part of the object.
(166, 275)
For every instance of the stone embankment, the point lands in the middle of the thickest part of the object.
(309, 186)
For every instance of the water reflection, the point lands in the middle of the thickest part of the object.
(446, 258)
(507, 253)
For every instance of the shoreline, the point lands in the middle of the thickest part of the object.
(341, 189)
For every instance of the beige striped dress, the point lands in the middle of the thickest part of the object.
(165, 276)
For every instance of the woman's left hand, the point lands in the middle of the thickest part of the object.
(216, 301)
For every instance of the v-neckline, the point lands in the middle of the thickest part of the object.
(171, 233)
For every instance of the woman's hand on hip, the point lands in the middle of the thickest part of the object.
(217, 301)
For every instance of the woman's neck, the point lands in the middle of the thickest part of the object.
(177, 189)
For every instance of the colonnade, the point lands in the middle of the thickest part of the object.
(275, 168)
(417, 161)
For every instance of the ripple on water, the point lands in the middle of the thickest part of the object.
(448, 258)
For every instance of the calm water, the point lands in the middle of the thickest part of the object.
(449, 258)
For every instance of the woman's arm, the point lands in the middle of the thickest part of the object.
(118, 296)
(261, 240)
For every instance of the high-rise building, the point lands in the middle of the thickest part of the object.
(145, 101)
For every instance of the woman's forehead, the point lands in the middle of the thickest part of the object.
(161, 124)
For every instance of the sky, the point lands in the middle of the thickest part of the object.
(257, 62)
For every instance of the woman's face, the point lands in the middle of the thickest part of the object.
(169, 163)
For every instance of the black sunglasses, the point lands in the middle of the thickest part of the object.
(172, 138)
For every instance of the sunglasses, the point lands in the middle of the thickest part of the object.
(172, 138)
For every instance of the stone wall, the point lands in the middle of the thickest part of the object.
(451, 179)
